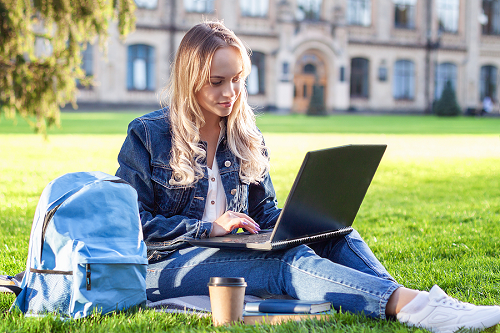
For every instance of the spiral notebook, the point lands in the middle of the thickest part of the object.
(323, 201)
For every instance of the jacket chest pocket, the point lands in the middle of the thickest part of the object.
(170, 198)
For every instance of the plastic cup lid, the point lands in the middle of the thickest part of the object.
(227, 282)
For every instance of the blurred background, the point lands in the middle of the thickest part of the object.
(382, 56)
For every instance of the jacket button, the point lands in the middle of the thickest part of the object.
(233, 191)
(227, 164)
(171, 182)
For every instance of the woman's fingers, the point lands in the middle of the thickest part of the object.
(246, 221)
(232, 220)
(250, 226)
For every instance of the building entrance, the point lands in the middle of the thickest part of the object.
(310, 72)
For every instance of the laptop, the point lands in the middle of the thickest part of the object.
(323, 201)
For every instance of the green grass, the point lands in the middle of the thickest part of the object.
(432, 213)
(379, 124)
(116, 123)
(75, 123)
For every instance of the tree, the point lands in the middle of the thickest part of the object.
(36, 81)
(447, 105)
(317, 103)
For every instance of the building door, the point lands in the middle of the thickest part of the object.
(310, 74)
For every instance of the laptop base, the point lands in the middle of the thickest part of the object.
(236, 241)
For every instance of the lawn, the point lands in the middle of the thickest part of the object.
(432, 213)
(116, 123)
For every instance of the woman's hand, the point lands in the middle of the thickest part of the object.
(231, 220)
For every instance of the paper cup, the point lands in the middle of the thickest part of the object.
(226, 299)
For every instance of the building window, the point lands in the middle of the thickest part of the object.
(309, 69)
(404, 13)
(447, 11)
(308, 10)
(359, 77)
(404, 79)
(382, 73)
(141, 67)
(491, 9)
(87, 64)
(359, 12)
(199, 6)
(444, 72)
(255, 8)
(488, 84)
(146, 4)
(256, 79)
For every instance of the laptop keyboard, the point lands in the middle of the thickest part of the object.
(249, 238)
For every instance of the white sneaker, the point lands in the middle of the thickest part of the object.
(445, 314)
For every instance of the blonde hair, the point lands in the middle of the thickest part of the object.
(190, 71)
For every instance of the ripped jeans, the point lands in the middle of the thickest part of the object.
(343, 271)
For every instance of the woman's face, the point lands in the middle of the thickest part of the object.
(217, 97)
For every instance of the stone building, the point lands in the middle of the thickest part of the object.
(370, 55)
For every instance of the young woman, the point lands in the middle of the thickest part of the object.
(201, 169)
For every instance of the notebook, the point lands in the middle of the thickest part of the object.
(323, 201)
(287, 306)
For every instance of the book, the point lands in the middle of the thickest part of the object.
(252, 318)
(287, 306)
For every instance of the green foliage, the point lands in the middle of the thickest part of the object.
(447, 105)
(41, 42)
(317, 103)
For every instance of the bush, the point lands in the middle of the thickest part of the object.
(447, 105)
(317, 104)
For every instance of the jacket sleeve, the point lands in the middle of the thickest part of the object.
(262, 203)
(160, 232)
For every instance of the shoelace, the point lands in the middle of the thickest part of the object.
(455, 303)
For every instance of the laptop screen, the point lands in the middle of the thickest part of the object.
(328, 190)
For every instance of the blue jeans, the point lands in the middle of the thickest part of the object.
(343, 271)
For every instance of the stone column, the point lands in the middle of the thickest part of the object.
(284, 57)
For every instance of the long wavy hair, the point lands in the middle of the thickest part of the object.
(190, 71)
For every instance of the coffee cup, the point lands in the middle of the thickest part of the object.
(227, 296)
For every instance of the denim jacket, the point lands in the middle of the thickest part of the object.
(171, 214)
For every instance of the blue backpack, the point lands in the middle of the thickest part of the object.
(86, 250)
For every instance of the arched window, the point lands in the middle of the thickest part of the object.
(310, 69)
(359, 77)
(87, 65)
(141, 67)
(444, 72)
(488, 84)
(256, 79)
(404, 79)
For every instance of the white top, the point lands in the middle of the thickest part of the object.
(215, 205)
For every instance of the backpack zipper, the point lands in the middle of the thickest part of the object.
(88, 281)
